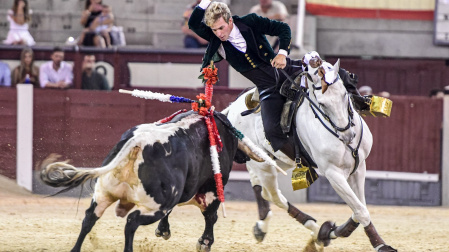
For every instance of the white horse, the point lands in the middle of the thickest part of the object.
(332, 139)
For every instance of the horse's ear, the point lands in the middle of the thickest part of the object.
(337, 66)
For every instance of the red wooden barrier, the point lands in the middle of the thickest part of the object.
(84, 125)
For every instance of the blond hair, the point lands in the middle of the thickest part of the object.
(215, 11)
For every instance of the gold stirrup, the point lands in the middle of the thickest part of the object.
(299, 177)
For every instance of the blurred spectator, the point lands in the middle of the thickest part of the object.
(446, 90)
(18, 18)
(275, 10)
(88, 37)
(191, 39)
(56, 73)
(436, 94)
(5, 75)
(365, 90)
(26, 72)
(91, 78)
(384, 94)
(102, 24)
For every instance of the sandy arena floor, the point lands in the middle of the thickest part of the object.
(34, 223)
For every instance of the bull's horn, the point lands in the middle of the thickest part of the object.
(243, 147)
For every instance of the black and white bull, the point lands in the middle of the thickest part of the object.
(153, 167)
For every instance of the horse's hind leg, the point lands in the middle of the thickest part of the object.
(341, 186)
(267, 175)
(93, 213)
(263, 206)
(163, 229)
(133, 221)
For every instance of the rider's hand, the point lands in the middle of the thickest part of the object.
(280, 61)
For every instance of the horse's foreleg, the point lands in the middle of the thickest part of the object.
(341, 186)
(89, 221)
(357, 184)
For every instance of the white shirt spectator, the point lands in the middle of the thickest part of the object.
(276, 11)
(48, 74)
(18, 32)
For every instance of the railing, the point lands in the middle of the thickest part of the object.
(119, 59)
(84, 125)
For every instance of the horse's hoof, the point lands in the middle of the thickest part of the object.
(203, 245)
(324, 233)
(258, 233)
(385, 248)
(165, 235)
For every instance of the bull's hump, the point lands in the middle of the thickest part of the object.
(161, 132)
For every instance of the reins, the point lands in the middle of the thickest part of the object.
(315, 108)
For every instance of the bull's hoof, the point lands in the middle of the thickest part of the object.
(166, 235)
(324, 233)
(385, 248)
(258, 233)
(203, 245)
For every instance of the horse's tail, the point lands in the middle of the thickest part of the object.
(62, 174)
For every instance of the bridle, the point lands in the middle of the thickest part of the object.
(325, 116)
(316, 109)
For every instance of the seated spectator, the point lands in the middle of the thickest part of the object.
(275, 10)
(26, 72)
(5, 75)
(102, 24)
(436, 93)
(191, 39)
(92, 10)
(91, 78)
(365, 90)
(18, 18)
(56, 73)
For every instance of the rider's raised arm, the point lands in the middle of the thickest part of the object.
(196, 23)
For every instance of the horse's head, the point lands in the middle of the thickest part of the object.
(332, 98)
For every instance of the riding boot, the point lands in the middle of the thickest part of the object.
(361, 103)
(289, 150)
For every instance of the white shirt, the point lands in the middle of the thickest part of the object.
(48, 74)
(235, 37)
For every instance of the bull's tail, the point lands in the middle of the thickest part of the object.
(62, 174)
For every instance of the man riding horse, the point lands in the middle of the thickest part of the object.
(242, 42)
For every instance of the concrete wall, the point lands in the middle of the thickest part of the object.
(151, 23)
(156, 23)
(377, 38)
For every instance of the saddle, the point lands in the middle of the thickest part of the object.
(304, 174)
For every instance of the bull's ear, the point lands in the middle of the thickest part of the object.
(324, 86)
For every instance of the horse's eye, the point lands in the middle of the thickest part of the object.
(321, 104)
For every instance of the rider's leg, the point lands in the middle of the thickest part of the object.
(350, 81)
(271, 109)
